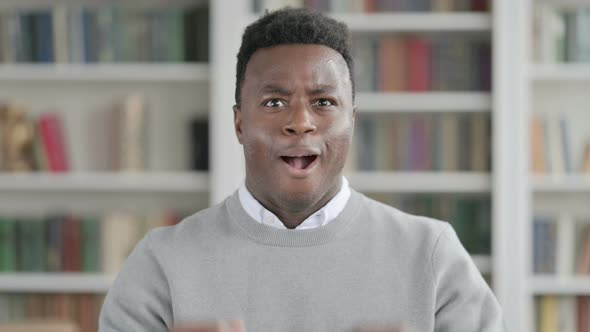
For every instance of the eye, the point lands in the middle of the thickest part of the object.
(323, 102)
(273, 103)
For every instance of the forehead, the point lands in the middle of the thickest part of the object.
(296, 62)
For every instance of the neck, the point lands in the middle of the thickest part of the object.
(291, 213)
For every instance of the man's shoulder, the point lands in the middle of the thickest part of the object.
(386, 217)
(197, 227)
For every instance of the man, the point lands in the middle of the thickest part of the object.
(295, 249)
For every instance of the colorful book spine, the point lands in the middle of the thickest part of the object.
(43, 25)
(8, 242)
(52, 135)
(72, 245)
(419, 55)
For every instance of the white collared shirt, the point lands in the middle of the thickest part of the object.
(320, 218)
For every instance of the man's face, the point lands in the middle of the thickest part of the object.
(295, 122)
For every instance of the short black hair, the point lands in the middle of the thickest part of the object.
(293, 26)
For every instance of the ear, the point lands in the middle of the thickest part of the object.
(238, 122)
(353, 115)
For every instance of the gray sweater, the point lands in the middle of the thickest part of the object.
(373, 264)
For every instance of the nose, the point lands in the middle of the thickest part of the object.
(300, 121)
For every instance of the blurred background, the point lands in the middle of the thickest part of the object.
(115, 118)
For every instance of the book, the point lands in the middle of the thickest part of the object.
(418, 64)
(549, 34)
(583, 318)
(556, 155)
(43, 31)
(548, 315)
(40, 326)
(60, 33)
(3, 39)
(130, 134)
(577, 25)
(392, 59)
(30, 244)
(480, 143)
(567, 314)
(365, 65)
(199, 133)
(412, 63)
(418, 141)
(176, 31)
(540, 157)
(365, 133)
(544, 244)
(586, 159)
(88, 33)
(465, 141)
(120, 232)
(75, 28)
(87, 318)
(91, 244)
(556, 148)
(566, 144)
(52, 135)
(71, 254)
(565, 245)
(583, 260)
(49, 312)
(442, 5)
(383, 158)
(423, 142)
(8, 249)
(55, 243)
(560, 33)
(74, 243)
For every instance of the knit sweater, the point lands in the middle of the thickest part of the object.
(372, 265)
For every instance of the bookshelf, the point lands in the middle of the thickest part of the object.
(180, 92)
(543, 285)
(560, 72)
(84, 94)
(55, 283)
(187, 182)
(563, 184)
(420, 182)
(139, 72)
(555, 82)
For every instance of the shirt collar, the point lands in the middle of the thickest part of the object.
(320, 218)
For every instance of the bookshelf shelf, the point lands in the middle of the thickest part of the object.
(565, 183)
(128, 72)
(424, 102)
(181, 182)
(392, 22)
(55, 282)
(421, 182)
(560, 72)
(541, 285)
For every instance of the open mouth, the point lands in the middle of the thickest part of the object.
(302, 162)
